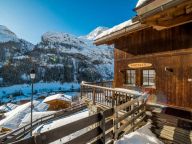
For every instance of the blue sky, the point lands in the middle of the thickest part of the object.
(29, 19)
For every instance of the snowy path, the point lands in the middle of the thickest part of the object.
(140, 136)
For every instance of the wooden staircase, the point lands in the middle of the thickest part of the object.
(171, 129)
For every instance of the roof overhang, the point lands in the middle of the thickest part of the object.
(110, 38)
(159, 14)
(151, 6)
(163, 14)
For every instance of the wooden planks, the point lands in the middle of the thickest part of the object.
(62, 131)
(167, 48)
(168, 128)
(21, 132)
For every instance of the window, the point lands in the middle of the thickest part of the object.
(130, 77)
(149, 77)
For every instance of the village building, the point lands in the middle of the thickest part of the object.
(7, 107)
(57, 102)
(153, 51)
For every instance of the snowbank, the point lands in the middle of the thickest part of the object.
(57, 97)
(61, 122)
(140, 136)
(14, 117)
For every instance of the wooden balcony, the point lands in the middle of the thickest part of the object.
(104, 94)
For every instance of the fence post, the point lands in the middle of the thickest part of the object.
(113, 99)
(81, 90)
(93, 96)
(115, 125)
(103, 126)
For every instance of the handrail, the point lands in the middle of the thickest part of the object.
(104, 88)
(105, 95)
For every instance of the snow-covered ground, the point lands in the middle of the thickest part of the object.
(140, 136)
(25, 90)
(61, 122)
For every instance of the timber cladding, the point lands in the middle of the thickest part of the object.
(170, 53)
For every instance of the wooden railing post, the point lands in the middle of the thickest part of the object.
(116, 124)
(103, 126)
(93, 96)
(81, 89)
(113, 99)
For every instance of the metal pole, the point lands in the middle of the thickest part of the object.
(31, 107)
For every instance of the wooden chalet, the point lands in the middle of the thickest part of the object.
(57, 102)
(153, 51)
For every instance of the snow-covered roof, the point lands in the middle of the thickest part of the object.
(118, 31)
(8, 107)
(140, 136)
(61, 97)
(141, 2)
(92, 35)
(115, 29)
(13, 118)
(36, 115)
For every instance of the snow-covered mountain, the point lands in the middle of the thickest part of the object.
(58, 57)
(92, 35)
(77, 56)
(7, 35)
(11, 46)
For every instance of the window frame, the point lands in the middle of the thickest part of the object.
(128, 77)
(149, 77)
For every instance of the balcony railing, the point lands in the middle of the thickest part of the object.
(104, 93)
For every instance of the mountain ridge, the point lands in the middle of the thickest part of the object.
(58, 56)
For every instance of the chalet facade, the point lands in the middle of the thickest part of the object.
(153, 51)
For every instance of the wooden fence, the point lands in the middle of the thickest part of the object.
(99, 128)
(125, 120)
(23, 131)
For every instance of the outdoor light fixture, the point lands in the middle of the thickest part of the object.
(168, 69)
(32, 75)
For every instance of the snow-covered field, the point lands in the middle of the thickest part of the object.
(24, 90)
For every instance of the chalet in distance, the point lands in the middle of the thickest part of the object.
(154, 51)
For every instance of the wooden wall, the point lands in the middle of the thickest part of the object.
(168, 48)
